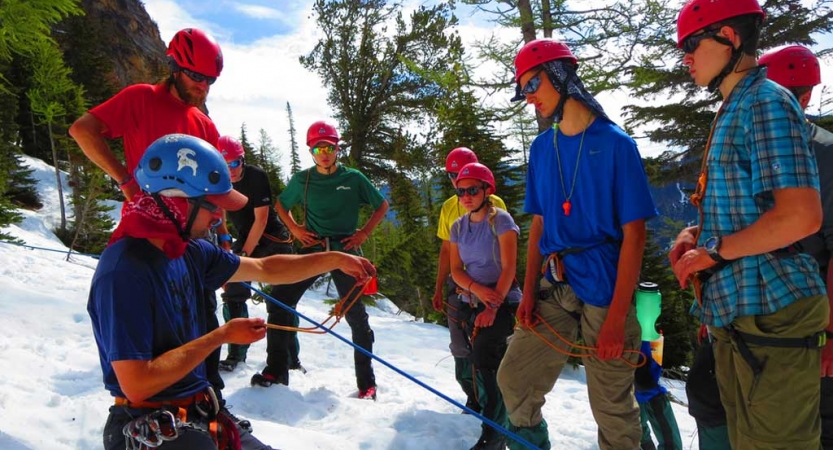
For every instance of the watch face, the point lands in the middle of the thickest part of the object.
(711, 244)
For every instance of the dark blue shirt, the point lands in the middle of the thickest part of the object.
(143, 304)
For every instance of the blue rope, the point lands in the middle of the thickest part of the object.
(65, 252)
(489, 422)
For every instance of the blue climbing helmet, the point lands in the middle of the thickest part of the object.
(179, 165)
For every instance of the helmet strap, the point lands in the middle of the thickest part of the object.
(729, 67)
(563, 94)
(184, 234)
(484, 202)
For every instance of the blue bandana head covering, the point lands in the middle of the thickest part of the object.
(562, 75)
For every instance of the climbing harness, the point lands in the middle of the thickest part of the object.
(171, 416)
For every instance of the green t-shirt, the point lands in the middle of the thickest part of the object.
(332, 201)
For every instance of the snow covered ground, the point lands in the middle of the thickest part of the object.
(52, 395)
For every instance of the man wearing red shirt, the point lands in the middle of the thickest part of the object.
(142, 113)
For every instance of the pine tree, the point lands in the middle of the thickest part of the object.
(375, 100)
(294, 159)
(48, 96)
(660, 75)
(268, 158)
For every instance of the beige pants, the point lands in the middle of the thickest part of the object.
(530, 369)
(778, 410)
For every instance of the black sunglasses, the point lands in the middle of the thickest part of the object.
(691, 43)
(533, 84)
(201, 202)
(236, 163)
(452, 176)
(471, 190)
(198, 77)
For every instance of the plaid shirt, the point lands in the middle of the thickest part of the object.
(760, 144)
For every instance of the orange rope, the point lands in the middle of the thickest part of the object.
(697, 200)
(590, 350)
(337, 313)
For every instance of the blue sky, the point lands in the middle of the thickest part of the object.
(263, 39)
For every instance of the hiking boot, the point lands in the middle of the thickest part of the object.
(242, 423)
(267, 379)
(297, 366)
(368, 394)
(497, 442)
(229, 364)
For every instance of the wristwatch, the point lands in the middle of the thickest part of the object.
(712, 246)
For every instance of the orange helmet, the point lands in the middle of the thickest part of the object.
(322, 131)
(792, 66)
(197, 51)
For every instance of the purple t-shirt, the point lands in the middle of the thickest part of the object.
(479, 247)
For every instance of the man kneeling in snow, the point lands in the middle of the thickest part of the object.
(146, 309)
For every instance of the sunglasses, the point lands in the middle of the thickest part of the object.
(532, 85)
(235, 164)
(326, 150)
(198, 77)
(200, 202)
(471, 190)
(452, 176)
(691, 43)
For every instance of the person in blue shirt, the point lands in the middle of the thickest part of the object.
(654, 406)
(146, 308)
(763, 302)
(588, 195)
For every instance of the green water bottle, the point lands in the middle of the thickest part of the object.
(648, 306)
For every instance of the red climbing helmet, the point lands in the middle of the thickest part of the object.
(197, 51)
(322, 131)
(230, 148)
(479, 172)
(699, 14)
(458, 158)
(538, 52)
(792, 66)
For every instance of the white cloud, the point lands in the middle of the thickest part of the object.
(259, 12)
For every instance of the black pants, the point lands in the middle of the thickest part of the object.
(189, 438)
(235, 294)
(487, 349)
(826, 410)
(278, 341)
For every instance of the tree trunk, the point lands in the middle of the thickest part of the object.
(546, 13)
(527, 20)
(58, 179)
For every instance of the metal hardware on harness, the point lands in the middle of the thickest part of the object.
(151, 430)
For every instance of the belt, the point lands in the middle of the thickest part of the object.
(205, 401)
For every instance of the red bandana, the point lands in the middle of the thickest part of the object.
(143, 218)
